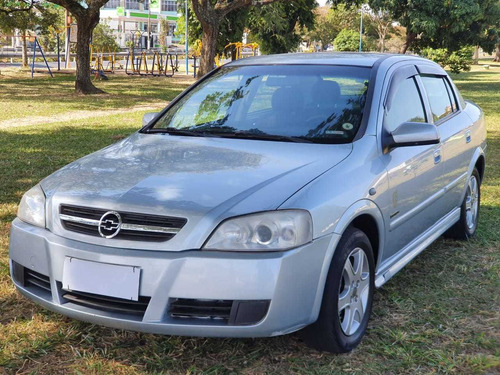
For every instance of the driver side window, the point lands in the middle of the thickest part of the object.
(406, 105)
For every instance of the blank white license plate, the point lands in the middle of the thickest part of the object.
(101, 278)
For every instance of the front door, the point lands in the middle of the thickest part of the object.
(414, 172)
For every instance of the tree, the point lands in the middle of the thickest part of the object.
(339, 17)
(230, 30)
(449, 24)
(278, 27)
(86, 14)
(103, 39)
(380, 21)
(347, 40)
(324, 30)
(210, 14)
(26, 16)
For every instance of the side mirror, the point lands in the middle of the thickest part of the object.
(148, 117)
(412, 134)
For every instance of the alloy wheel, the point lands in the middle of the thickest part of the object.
(354, 291)
(471, 203)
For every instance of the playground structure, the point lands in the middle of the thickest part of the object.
(133, 62)
(154, 63)
(234, 51)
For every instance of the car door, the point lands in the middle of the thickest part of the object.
(414, 172)
(455, 130)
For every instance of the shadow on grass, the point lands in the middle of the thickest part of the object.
(121, 92)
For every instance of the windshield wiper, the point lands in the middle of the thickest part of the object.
(262, 136)
(231, 134)
(186, 132)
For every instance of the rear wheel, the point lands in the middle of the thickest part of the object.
(466, 226)
(347, 298)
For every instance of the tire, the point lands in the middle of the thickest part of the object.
(466, 226)
(332, 331)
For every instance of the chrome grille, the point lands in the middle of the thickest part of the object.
(134, 226)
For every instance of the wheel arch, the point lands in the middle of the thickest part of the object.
(480, 165)
(367, 217)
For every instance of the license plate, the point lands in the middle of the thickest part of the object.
(101, 278)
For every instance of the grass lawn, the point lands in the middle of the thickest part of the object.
(441, 314)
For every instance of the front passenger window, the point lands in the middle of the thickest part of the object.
(406, 106)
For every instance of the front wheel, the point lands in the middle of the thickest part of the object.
(347, 298)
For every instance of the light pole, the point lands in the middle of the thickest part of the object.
(361, 30)
(143, 2)
(186, 37)
(149, 26)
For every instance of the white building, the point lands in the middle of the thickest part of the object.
(130, 18)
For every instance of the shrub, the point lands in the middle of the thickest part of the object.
(457, 61)
(347, 40)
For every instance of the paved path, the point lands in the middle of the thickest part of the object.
(75, 115)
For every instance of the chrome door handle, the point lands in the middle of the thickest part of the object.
(467, 136)
(437, 156)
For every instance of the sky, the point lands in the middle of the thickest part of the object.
(321, 2)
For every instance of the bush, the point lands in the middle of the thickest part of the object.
(347, 40)
(457, 61)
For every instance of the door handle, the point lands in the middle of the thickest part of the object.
(437, 156)
(467, 136)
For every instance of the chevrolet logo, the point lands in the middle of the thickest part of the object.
(110, 224)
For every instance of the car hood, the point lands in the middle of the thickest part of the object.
(199, 178)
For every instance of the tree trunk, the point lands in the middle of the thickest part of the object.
(497, 56)
(476, 55)
(208, 48)
(24, 50)
(410, 37)
(85, 26)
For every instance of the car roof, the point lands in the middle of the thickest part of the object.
(322, 58)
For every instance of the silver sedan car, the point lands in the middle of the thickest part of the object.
(274, 194)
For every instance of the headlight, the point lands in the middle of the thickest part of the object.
(267, 231)
(32, 207)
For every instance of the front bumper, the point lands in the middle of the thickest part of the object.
(291, 281)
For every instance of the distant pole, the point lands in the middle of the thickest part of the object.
(361, 30)
(67, 45)
(148, 44)
(58, 53)
(186, 46)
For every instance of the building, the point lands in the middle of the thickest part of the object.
(130, 19)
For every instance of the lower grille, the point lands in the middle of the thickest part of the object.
(105, 303)
(200, 309)
(32, 278)
(230, 312)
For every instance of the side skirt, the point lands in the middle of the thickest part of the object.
(415, 247)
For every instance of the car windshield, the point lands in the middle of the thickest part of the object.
(301, 103)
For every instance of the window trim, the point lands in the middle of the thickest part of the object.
(398, 77)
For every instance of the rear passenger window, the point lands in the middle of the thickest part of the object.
(406, 106)
(439, 97)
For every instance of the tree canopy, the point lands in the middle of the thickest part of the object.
(449, 24)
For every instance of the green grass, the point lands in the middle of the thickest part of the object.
(439, 315)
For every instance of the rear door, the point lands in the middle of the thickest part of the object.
(414, 172)
(454, 128)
